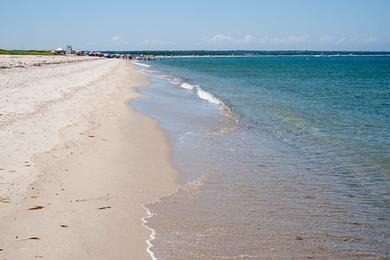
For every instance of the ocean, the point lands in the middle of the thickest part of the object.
(282, 156)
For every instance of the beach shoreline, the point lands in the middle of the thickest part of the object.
(78, 162)
(254, 196)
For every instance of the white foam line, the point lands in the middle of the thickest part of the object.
(203, 94)
(207, 96)
(187, 86)
(199, 181)
(142, 64)
(152, 235)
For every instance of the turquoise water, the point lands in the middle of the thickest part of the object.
(334, 110)
(292, 153)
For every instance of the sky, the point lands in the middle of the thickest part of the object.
(196, 24)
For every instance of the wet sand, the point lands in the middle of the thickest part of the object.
(77, 163)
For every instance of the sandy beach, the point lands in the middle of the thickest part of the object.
(77, 163)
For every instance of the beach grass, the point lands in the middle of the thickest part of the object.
(26, 52)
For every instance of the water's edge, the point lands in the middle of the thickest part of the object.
(345, 236)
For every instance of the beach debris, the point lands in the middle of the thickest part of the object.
(34, 238)
(34, 197)
(36, 208)
(107, 207)
(4, 200)
(64, 226)
(91, 136)
(298, 238)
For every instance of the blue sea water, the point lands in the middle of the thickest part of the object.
(298, 146)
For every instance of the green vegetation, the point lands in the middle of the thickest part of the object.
(27, 52)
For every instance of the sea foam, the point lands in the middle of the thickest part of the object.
(142, 64)
(207, 96)
(152, 234)
(201, 93)
(187, 86)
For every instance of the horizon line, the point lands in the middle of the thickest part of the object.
(209, 50)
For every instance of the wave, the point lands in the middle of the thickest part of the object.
(175, 81)
(208, 96)
(142, 64)
(200, 92)
(187, 86)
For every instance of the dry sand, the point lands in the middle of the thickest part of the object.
(77, 163)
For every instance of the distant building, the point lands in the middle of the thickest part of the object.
(68, 49)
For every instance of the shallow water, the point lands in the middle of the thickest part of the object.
(300, 175)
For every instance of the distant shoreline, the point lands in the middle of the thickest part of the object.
(28, 52)
(211, 53)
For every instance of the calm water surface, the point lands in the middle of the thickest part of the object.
(281, 156)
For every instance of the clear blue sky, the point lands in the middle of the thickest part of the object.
(196, 24)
